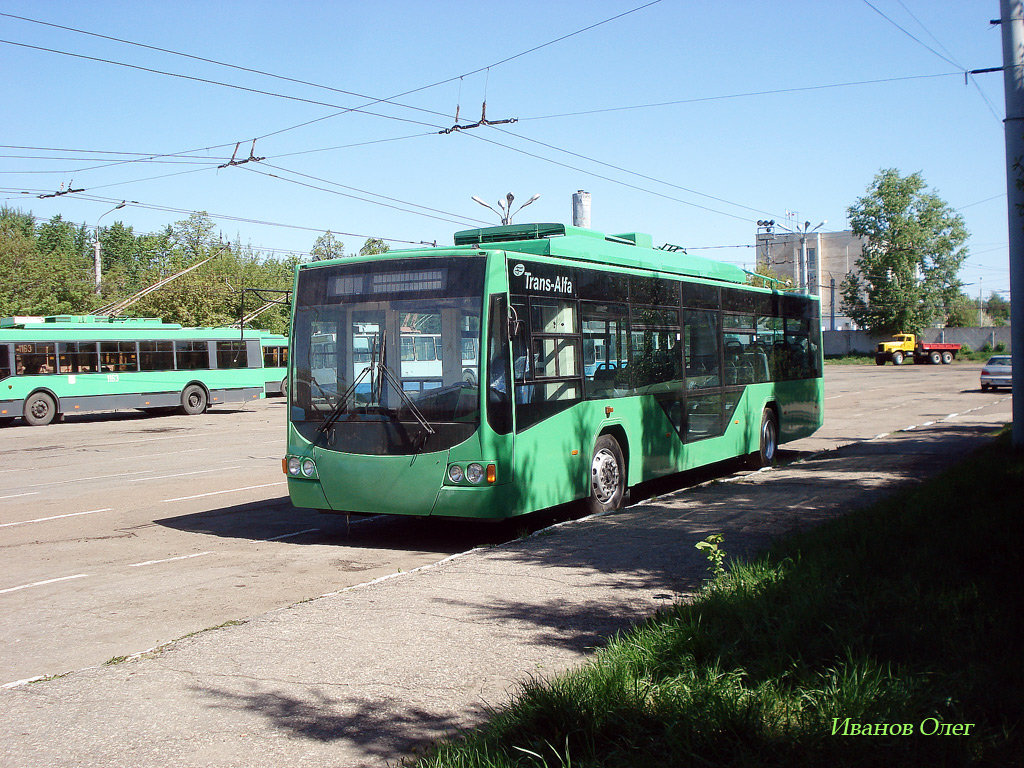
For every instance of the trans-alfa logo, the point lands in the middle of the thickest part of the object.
(560, 284)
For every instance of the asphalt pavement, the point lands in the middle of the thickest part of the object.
(367, 675)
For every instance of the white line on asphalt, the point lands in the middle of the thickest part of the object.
(17, 495)
(289, 535)
(230, 490)
(55, 517)
(183, 474)
(169, 559)
(84, 479)
(41, 583)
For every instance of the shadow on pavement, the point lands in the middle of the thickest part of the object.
(383, 727)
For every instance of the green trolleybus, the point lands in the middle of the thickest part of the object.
(51, 366)
(569, 365)
(275, 362)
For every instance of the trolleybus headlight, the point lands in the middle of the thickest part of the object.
(455, 473)
(308, 467)
(293, 466)
(474, 473)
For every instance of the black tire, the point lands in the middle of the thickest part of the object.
(40, 409)
(935, 358)
(284, 387)
(768, 442)
(984, 387)
(947, 358)
(879, 360)
(193, 400)
(607, 476)
(897, 358)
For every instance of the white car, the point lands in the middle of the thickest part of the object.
(997, 373)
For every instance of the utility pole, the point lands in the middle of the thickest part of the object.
(1011, 17)
(832, 292)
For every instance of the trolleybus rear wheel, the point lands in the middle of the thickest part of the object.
(193, 399)
(39, 409)
(607, 475)
(768, 443)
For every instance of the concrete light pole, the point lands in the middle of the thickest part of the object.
(96, 256)
(1011, 19)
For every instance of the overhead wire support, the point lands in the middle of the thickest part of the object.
(251, 159)
(61, 191)
(482, 121)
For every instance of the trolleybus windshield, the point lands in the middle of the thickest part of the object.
(381, 346)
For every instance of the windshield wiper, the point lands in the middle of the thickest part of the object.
(342, 405)
(413, 408)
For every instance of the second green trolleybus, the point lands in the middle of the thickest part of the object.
(570, 365)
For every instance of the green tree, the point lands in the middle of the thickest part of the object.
(766, 277)
(913, 252)
(962, 312)
(998, 309)
(373, 245)
(327, 246)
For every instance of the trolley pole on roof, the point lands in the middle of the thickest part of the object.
(1011, 20)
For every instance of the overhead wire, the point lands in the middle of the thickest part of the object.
(241, 219)
(208, 81)
(947, 58)
(743, 95)
(446, 218)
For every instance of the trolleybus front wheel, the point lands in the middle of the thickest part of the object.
(607, 475)
(39, 409)
(193, 399)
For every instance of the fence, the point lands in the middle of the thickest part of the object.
(847, 342)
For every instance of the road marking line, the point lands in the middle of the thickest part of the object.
(289, 535)
(231, 490)
(18, 495)
(169, 559)
(55, 517)
(41, 583)
(183, 474)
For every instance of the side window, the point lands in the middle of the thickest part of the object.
(701, 349)
(657, 356)
(118, 356)
(499, 377)
(34, 358)
(546, 358)
(746, 358)
(156, 355)
(77, 357)
(232, 354)
(605, 349)
(192, 355)
(5, 361)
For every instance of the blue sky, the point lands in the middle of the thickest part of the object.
(697, 172)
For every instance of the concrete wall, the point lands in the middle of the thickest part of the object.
(845, 342)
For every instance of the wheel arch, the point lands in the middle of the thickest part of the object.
(44, 391)
(619, 433)
(198, 383)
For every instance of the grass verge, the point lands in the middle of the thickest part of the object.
(908, 612)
